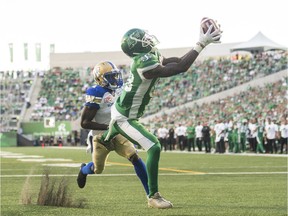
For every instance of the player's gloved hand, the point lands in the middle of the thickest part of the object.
(118, 92)
(207, 38)
(89, 149)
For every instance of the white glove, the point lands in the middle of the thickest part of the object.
(207, 38)
(89, 148)
(118, 92)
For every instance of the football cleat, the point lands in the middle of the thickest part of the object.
(81, 179)
(157, 201)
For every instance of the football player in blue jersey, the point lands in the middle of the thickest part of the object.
(147, 67)
(96, 116)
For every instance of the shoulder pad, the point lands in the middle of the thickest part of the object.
(95, 94)
(146, 60)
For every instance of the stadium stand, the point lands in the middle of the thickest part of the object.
(14, 97)
(59, 92)
(211, 76)
(62, 90)
(60, 95)
(269, 100)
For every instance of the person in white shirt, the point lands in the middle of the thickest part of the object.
(219, 129)
(283, 135)
(180, 132)
(271, 130)
(162, 134)
(199, 136)
(252, 126)
(260, 136)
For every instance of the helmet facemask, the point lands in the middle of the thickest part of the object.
(146, 42)
(113, 80)
(149, 40)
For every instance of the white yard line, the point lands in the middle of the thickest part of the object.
(176, 172)
(161, 174)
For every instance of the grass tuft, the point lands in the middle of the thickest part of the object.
(26, 197)
(51, 195)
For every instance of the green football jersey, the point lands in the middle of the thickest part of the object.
(137, 90)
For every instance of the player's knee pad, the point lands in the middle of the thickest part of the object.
(119, 140)
(134, 158)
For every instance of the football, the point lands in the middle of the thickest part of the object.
(207, 22)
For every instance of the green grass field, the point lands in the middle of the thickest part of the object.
(197, 184)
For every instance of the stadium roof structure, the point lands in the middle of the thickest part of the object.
(258, 43)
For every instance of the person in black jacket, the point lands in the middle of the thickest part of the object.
(206, 137)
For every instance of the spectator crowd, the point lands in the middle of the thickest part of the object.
(233, 124)
(191, 128)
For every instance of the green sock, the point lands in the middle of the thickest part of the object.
(153, 156)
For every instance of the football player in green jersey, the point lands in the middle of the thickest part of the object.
(147, 67)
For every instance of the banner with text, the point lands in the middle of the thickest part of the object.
(62, 128)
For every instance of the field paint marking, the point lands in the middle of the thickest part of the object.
(21, 156)
(26, 158)
(246, 173)
(119, 164)
(161, 174)
(174, 152)
(67, 165)
(44, 160)
(182, 171)
(29, 158)
(165, 169)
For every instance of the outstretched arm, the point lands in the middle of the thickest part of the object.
(170, 60)
(173, 68)
(174, 65)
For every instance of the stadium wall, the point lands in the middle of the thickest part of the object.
(22, 140)
(89, 59)
(8, 139)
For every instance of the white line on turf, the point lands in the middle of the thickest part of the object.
(161, 174)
